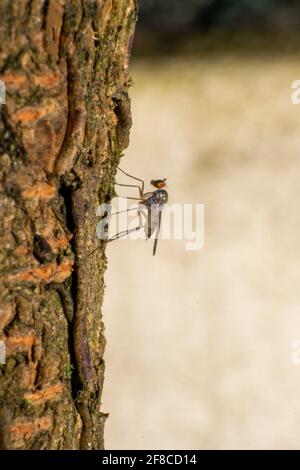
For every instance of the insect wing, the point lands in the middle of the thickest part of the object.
(152, 219)
(157, 233)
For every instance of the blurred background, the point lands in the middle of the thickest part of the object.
(200, 344)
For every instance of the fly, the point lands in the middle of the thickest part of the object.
(153, 201)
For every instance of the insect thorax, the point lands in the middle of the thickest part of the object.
(159, 197)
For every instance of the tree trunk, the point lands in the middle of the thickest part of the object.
(62, 129)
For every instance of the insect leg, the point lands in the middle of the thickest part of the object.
(132, 186)
(126, 210)
(133, 198)
(133, 177)
(124, 232)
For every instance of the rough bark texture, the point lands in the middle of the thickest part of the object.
(66, 121)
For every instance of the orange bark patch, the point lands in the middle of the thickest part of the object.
(13, 80)
(17, 81)
(47, 80)
(21, 430)
(42, 129)
(51, 272)
(19, 343)
(52, 392)
(42, 191)
(27, 114)
(60, 243)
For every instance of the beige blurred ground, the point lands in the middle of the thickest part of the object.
(200, 343)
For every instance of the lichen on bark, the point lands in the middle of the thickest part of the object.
(62, 129)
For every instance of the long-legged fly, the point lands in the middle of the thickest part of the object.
(153, 201)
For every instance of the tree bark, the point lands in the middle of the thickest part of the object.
(64, 125)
